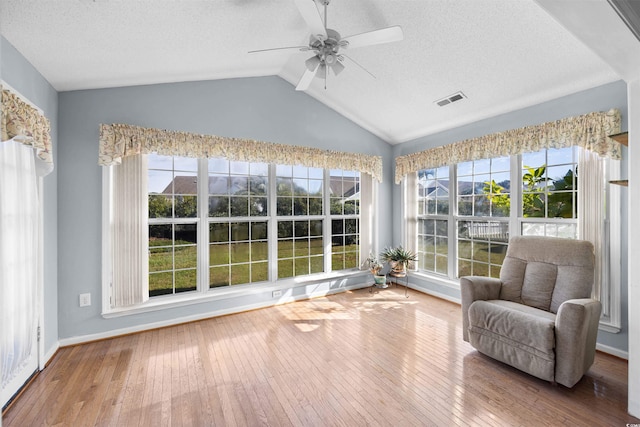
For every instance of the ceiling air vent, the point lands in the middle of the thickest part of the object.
(451, 98)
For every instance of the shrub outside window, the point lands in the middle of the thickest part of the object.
(549, 193)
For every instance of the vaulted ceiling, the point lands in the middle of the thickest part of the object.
(501, 54)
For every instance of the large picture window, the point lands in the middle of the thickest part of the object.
(489, 197)
(254, 215)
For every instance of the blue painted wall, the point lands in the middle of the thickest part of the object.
(266, 108)
(24, 78)
(603, 98)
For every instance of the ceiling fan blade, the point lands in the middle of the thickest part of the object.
(354, 61)
(301, 48)
(383, 35)
(337, 67)
(312, 17)
(313, 64)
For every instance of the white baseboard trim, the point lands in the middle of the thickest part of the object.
(612, 351)
(633, 409)
(434, 293)
(65, 342)
(49, 354)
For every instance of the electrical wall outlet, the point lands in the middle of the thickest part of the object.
(276, 294)
(85, 300)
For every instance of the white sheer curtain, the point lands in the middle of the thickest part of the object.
(368, 218)
(129, 234)
(410, 220)
(19, 239)
(592, 186)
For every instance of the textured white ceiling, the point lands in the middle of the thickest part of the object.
(503, 54)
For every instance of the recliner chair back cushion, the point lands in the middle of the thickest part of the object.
(544, 272)
(512, 276)
(573, 282)
(538, 285)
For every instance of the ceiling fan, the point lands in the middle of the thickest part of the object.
(326, 44)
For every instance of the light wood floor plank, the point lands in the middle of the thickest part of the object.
(351, 359)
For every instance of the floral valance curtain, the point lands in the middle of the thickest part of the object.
(589, 131)
(25, 124)
(121, 140)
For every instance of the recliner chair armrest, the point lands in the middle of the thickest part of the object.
(473, 288)
(576, 332)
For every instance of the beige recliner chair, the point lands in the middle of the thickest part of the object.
(538, 317)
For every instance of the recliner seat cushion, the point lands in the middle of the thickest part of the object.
(516, 334)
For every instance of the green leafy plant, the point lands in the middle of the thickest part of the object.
(534, 183)
(398, 258)
(499, 197)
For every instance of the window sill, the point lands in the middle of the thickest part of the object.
(607, 326)
(217, 294)
(438, 280)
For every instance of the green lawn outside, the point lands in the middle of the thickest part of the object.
(475, 258)
(238, 263)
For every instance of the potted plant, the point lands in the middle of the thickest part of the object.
(399, 259)
(376, 267)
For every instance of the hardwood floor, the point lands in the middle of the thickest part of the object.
(350, 359)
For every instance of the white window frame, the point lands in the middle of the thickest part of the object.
(342, 216)
(173, 221)
(203, 292)
(204, 269)
(324, 217)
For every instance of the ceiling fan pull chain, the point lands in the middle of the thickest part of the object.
(326, 72)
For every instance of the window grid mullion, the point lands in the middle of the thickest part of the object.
(326, 224)
(203, 226)
(515, 213)
(453, 225)
(272, 224)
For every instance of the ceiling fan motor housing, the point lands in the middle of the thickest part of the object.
(326, 50)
